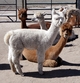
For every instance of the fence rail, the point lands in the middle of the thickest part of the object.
(26, 4)
(7, 8)
(50, 3)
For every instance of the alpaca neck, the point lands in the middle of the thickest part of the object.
(59, 46)
(52, 32)
(23, 24)
(42, 24)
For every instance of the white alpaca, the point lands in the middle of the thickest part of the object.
(40, 18)
(37, 39)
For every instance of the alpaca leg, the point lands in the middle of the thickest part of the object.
(18, 67)
(40, 60)
(50, 63)
(59, 61)
(17, 64)
(14, 60)
(10, 61)
(12, 65)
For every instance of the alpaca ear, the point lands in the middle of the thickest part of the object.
(53, 11)
(61, 9)
(18, 9)
(44, 13)
(26, 9)
(64, 10)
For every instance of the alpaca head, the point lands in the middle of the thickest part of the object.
(38, 16)
(57, 18)
(72, 20)
(72, 12)
(22, 14)
(64, 10)
(66, 30)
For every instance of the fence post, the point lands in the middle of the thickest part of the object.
(16, 10)
(25, 4)
(22, 3)
(78, 4)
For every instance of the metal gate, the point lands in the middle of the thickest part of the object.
(6, 8)
(41, 5)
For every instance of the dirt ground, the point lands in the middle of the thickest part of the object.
(68, 72)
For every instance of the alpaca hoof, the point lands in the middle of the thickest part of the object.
(41, 72)
(59, 61)
(22, 75)
(16, 73)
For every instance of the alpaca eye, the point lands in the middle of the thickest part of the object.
(57, 18)
(70, 31)
(38, 17)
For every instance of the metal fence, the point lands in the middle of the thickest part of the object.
(8, 11)
(47, 6)
(11, 8)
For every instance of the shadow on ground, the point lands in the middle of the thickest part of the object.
(4, 66)
(50, 74)
(57, 73)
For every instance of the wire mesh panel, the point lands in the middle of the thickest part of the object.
(8, 10)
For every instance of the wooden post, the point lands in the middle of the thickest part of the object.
(78, 4)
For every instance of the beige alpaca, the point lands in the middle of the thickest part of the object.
(53, 52)
(30, 55)
(76, 13)
(22, 15)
